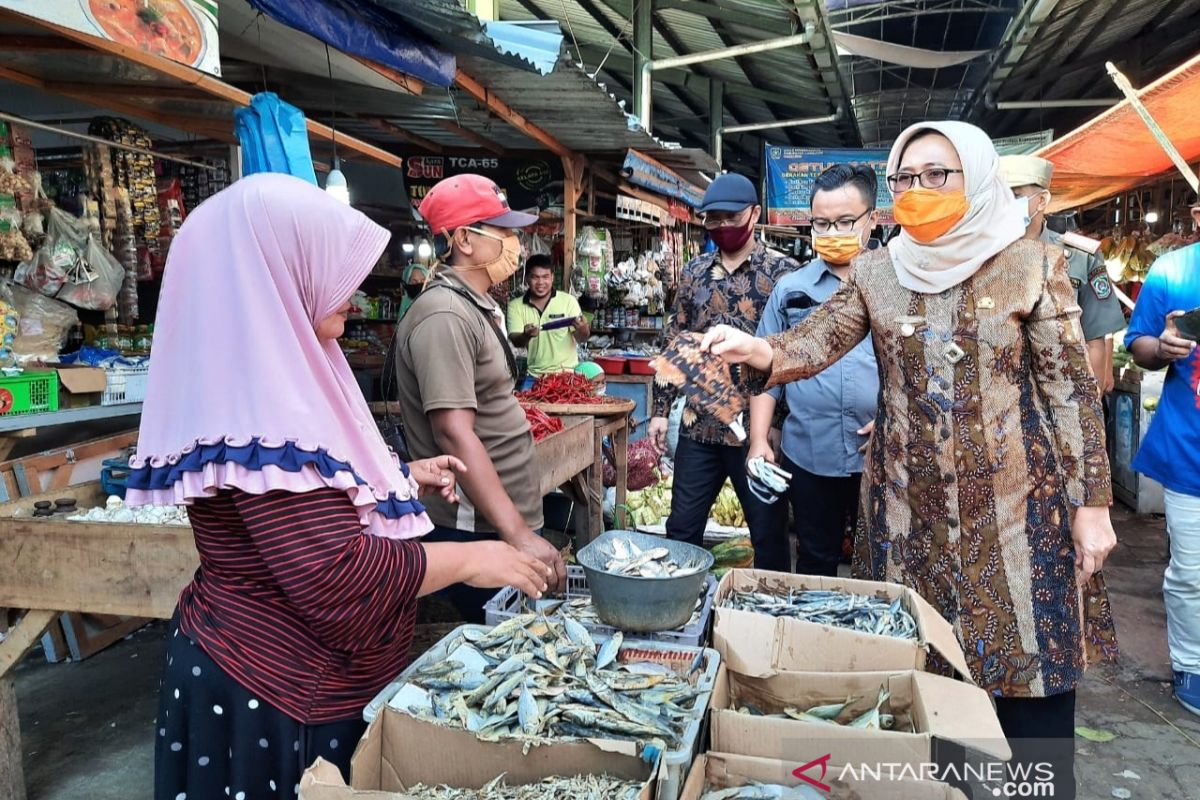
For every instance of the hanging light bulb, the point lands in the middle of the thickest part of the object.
(335, 182)
(407, 246)
(424, 250)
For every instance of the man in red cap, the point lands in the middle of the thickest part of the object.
(456, 371)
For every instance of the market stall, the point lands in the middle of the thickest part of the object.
(121, 574)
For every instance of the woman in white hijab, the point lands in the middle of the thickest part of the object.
(987, 484)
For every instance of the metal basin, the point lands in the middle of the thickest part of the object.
(644, 605)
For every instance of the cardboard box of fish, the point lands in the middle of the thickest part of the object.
(399, 758)
(577, 602)
(858, 718)
(535, 681)
(767, 622)
(725, 776)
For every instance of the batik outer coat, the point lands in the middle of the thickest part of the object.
(976, 463)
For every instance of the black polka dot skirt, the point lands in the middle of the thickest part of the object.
(214, 739)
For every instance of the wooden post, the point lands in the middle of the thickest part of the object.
(22, 636)
(572, 190)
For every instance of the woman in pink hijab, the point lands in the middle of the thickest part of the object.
(307, 525)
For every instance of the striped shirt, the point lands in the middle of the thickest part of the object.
(297, 604)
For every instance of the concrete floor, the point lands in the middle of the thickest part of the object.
(88, 727)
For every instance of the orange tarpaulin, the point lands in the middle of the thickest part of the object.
(1116, 151)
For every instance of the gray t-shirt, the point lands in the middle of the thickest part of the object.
(448, 359)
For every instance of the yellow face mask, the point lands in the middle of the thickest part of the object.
(502, 267)
(838, 248)
(927, 214)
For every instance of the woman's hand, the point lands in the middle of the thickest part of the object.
(493, 564)
(1092, 532)
(737, 347)
(437, 474)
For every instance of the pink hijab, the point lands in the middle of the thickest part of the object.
(242, 394)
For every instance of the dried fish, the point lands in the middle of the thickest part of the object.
(580, 787)
(547, 679)
(828, 714)
(862, 613)
(623, 557)
(765, 791)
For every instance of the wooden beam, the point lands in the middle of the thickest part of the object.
(408, 136)
(503, 110)
(130, 90)
(471, 136)
(23, 636)
(572, 190)
(194, 77)
(133, 570)
(406, 82)
(201, 126)
(39, 44)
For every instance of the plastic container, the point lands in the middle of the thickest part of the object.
(509, 602)
(640, 366)
(612, 365)
(639, 604)
(126, 384)
(675, 763)
(31, 392)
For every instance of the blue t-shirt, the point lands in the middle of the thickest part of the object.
(1170, 453)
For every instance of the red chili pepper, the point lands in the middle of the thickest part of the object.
(542, 424)
(562, 387)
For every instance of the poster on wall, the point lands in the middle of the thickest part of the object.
(181, 30)
(527, 182)
(791, 172)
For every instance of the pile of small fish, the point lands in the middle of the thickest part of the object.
(582, 610)
(765, 791)
(629, 559)
(581, 787)
(537, 678)
(828, 714)
(859, 612)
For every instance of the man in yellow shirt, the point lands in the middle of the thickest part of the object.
(552, 350)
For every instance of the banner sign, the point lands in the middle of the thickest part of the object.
(181, 30)
(791, 172)
(527, 182)
(1024, 145)
(641, 170)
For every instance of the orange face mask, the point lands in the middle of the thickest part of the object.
(838, 248)
(927, 214)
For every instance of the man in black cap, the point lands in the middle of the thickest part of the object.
(729, 285)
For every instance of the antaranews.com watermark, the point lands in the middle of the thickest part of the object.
(1004, 780)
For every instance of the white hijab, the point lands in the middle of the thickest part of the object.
(994, 218)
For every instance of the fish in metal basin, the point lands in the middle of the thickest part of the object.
(862, 613)
(629, 559)
(580, 787)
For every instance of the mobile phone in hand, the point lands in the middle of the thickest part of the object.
(1188, 325)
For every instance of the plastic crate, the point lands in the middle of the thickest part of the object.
(31, 392)
(510, 601)
(126, 384)
(675, 763)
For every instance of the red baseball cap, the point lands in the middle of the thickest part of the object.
(466, 200)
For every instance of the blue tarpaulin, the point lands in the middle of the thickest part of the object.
(274, 138)
(368, 31)
(641, 170)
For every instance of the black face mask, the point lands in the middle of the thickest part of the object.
(413, 289)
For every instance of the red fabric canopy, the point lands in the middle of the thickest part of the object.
(1116, 151)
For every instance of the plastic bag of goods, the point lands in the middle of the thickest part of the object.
(100, 280)
(43, 324)
(10, 326)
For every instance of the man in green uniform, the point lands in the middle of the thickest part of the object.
(1029, 178)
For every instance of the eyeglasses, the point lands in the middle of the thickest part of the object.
(929, 179)
(842, 225)
(722, 221)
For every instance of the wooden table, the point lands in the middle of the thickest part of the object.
(51, 566)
